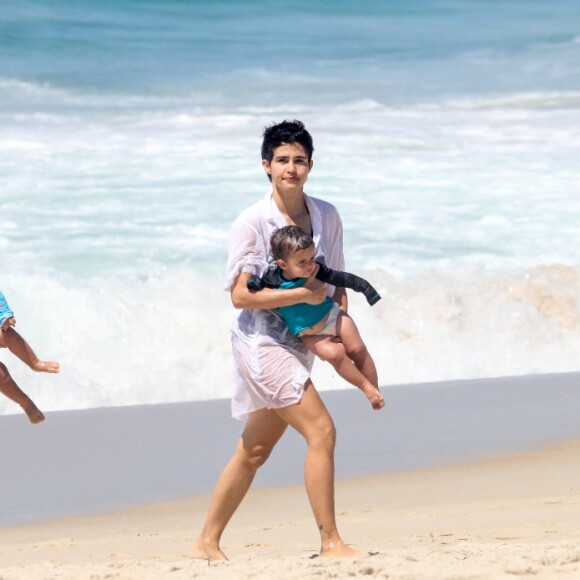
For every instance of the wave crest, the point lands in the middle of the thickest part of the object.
(166, 338)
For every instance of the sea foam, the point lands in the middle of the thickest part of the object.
(166, 338)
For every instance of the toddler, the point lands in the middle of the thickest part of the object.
(324, 329)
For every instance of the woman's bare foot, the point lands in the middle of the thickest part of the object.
(374, 396)
(204, 550)
(45, 366)
(34, 414)
(338, 550)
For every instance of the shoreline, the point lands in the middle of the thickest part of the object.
(98, 460)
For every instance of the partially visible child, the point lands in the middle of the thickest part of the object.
(324, 329)
(10, 339)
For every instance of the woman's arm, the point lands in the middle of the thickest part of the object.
(313, 292)
(341, 298)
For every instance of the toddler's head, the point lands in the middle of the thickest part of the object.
(293, 250)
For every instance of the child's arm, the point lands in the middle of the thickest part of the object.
(268, 280)
(348, 280)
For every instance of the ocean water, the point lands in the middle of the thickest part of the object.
(447, 134)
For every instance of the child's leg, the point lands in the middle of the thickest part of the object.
(324, 347)
(24, 352)
(11, 390)
(356, 349)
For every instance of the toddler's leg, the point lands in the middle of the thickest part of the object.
(357, 351)
(24, 352)
(324, 347)
(11, 390)
(355, 347)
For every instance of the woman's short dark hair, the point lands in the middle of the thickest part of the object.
(285, 133)
(288, 240)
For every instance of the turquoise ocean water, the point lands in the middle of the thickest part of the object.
(447, 133)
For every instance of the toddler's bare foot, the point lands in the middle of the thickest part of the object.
(34, 414)
(203, 550)
(46, 366)
(374, 396)
(338, 550)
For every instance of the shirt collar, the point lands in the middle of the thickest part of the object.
(274, 217)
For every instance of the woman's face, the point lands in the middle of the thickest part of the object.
(289, 168)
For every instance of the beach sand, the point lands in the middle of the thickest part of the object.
(514, 516)
(487, 510)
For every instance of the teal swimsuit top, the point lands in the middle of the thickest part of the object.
(302, 316)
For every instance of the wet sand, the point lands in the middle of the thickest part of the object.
(474, 479)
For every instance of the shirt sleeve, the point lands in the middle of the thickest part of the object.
(334, 237)
(246, 253)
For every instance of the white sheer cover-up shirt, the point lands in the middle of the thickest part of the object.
(272, 366)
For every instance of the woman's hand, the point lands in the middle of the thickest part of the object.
(316, 291)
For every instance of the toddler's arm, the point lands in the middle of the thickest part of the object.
(268, 280)
(348, 280)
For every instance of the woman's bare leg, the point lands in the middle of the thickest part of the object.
(312, 420)
(11, 390)
(263, 430)
(24, 352)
